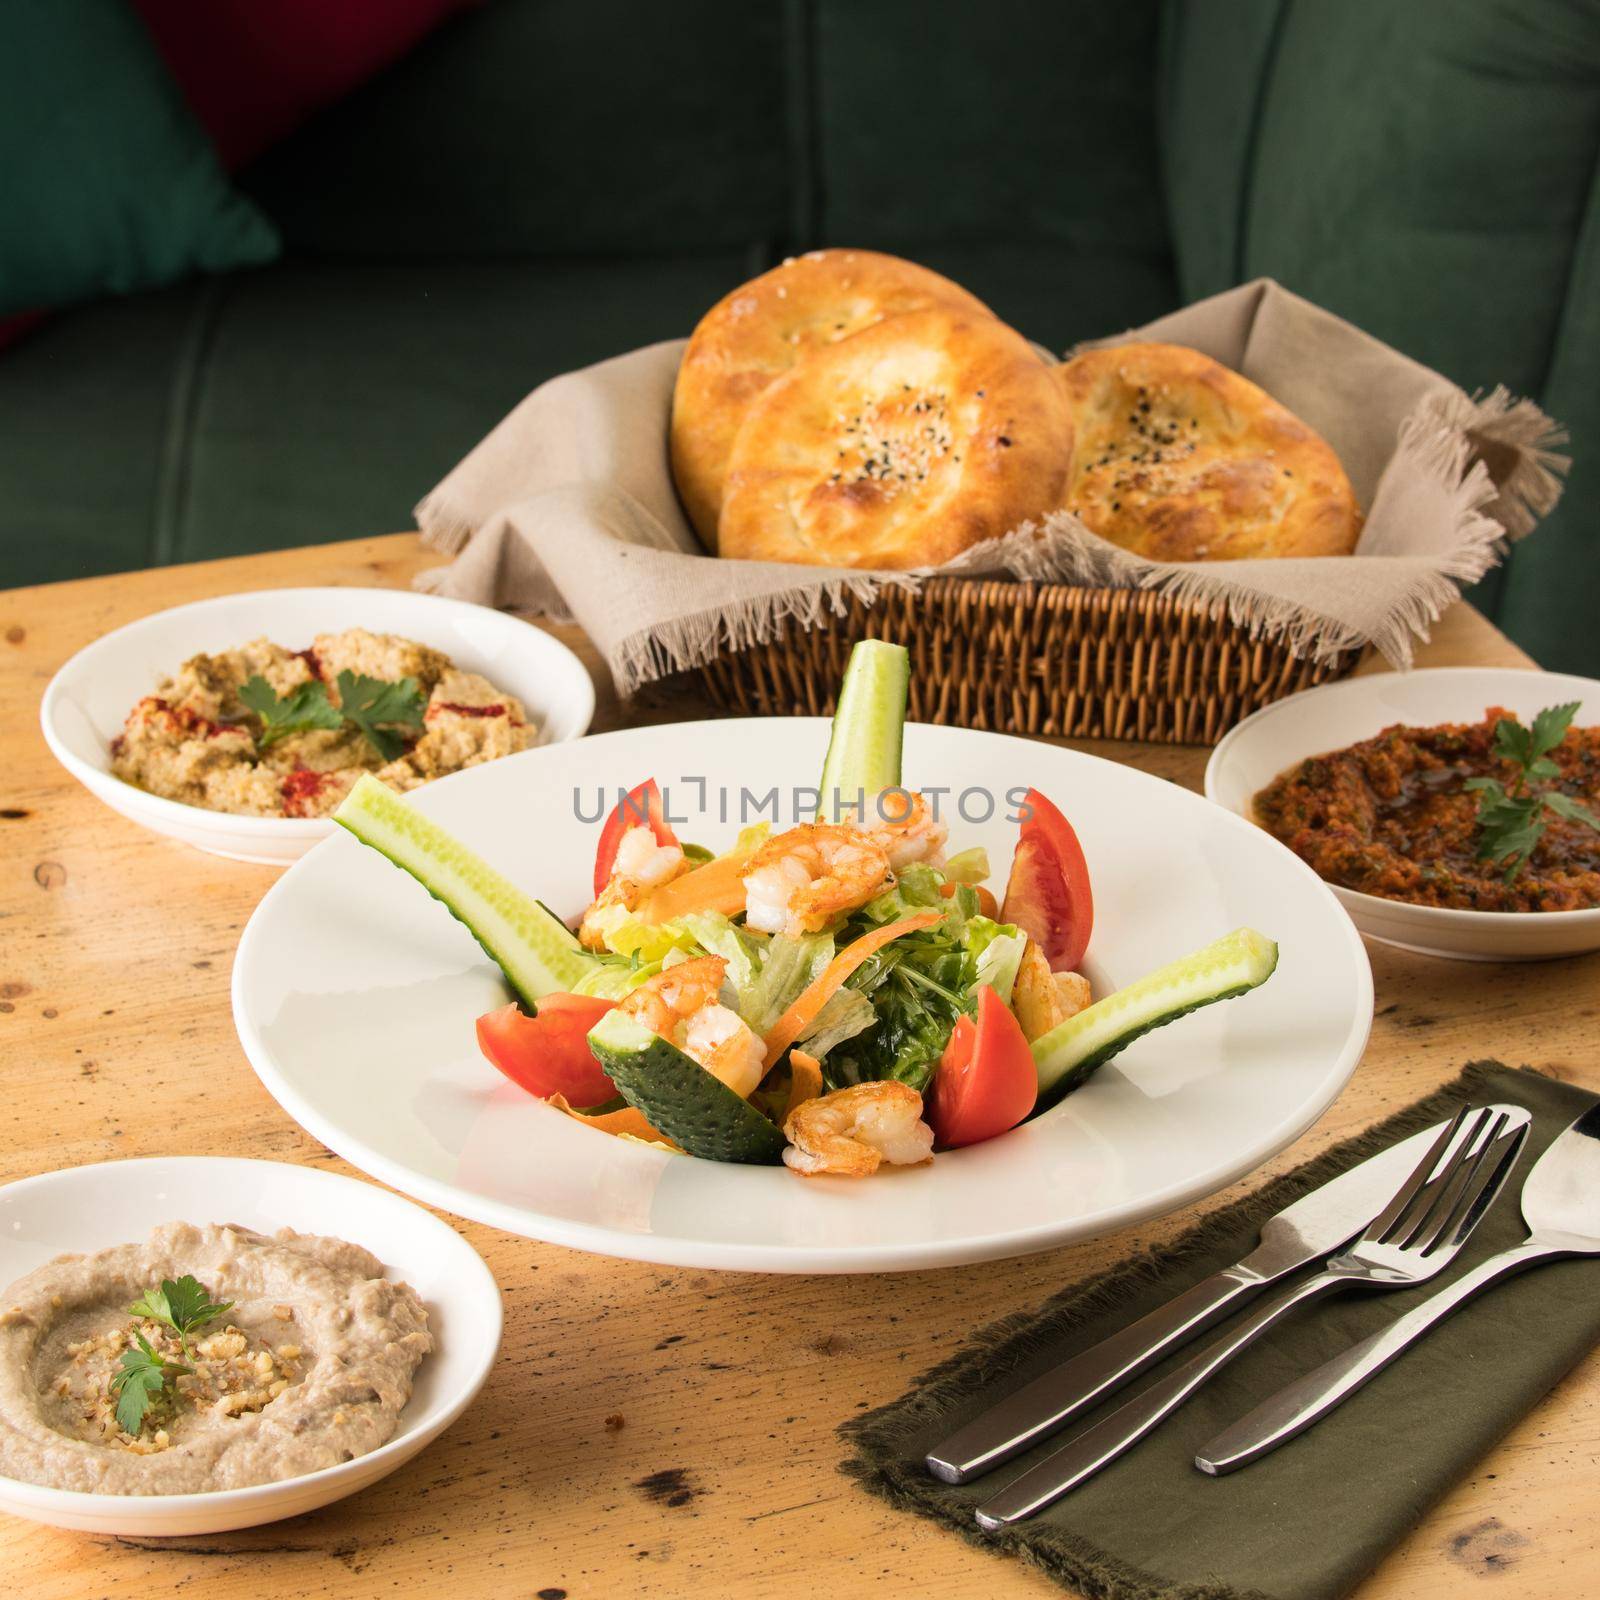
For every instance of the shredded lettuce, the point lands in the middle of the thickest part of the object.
(788, 965)
(996, 949)
(717, 936)
(918, 888)
(968, 866)
(753, 836)
(614, 977)
(648, 941)
(845, 1014)
(918, 985)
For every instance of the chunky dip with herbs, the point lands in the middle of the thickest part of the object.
(1483, 816)
(205, 1358)
(262, 731)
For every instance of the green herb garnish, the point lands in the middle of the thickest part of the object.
(185, 1306)
(369, 705)
(142, 1378)
(374, 706)
(1511, 819)
(305, 707)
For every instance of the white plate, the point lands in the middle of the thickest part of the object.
(354, 995)
(90, 697)
(1339, 714)
(118, 1202)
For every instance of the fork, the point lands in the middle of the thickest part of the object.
(1415, 1236)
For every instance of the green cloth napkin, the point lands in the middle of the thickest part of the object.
(1311, 1520)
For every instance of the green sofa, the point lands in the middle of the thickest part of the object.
(541, 185)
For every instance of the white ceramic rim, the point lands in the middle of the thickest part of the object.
(198, 818)
(1377, 905)
(81, 1501)
(719, 1256)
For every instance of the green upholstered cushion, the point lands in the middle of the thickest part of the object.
(109, 184)
(1427, 170)
(1057, 294)
(1006, 121)
(310, 402)
(526, 127)
(1547, 599)
(296, 405)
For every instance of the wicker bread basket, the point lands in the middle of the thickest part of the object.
(1037, 658)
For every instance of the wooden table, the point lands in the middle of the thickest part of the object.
(115, 948)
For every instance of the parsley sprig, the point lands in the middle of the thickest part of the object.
(185, 1306)
(1511, 818)
(375, 706)
(144, 1378)
(306, 706)
(370, 705)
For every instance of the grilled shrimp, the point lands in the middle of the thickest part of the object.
(641, 864)
(682, 1005)
(904, 825)
(1041, 998)
(801, 880)
(850, 1132)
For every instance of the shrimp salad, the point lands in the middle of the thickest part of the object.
(817, 972)
(844, 996)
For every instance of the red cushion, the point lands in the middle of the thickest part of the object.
(13, 328)
(254, 70)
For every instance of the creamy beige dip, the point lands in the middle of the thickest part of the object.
(310, 1367)
(195, 741)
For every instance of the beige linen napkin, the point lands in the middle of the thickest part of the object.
(567, 509)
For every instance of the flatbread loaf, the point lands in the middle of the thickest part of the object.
(901, 446)
(758, 332)
(1179, 458)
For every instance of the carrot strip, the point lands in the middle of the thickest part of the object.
(629, 1122)
(717, 886)
(794, 1021)
(805, 1082)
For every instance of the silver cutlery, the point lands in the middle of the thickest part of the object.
(1413, 1238)
(1308, 1230)
(1561, 1206)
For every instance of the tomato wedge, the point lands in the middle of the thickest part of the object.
(1048, 894)
(987, 1081)
(642, 808)
(549, 1054)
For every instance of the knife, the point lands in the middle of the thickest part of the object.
(1312, 1227)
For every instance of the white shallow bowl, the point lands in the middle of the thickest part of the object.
(355, 995)
(1339, 714)
(116, 1202)
(88, 699)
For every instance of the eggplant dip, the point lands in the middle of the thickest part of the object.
(206, 1358)
(262, 731)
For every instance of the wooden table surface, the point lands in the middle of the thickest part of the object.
(115, 949)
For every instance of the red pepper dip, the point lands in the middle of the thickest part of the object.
(1391, 816)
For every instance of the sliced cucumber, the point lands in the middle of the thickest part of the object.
(530, 944)
(678, 1096)
(868, 728)
(1068, 1054)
